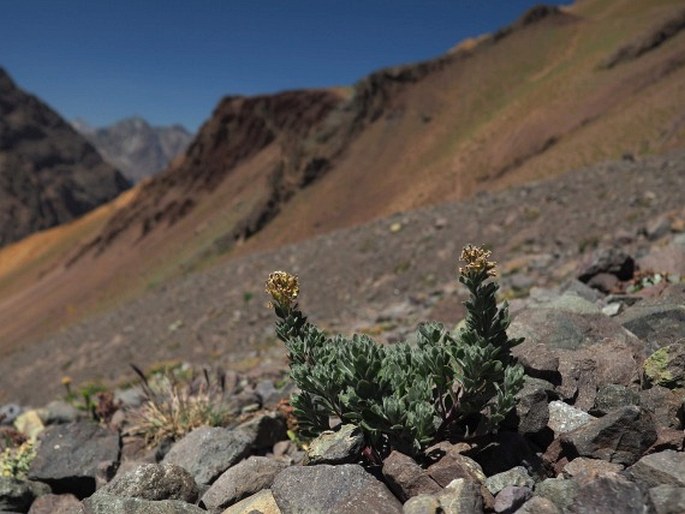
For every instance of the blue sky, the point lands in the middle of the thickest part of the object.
(171, 61)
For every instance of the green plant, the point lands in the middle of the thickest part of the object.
(404, 396)
(15, 461)
(174, 406)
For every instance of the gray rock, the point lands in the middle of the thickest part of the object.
(109, 504)
(261, 503)
(532, 410)
(564, 418)
(422, 504)
(406, 478)
(461, 496)
(9, 412)
(517, 476)
(559, 491)
(667, 499)
(665, 405)
(346, 488)
(655, 321)
(538, 505)
(240, 481)
(266, 429)
(69, 456)
(339, 447)
(18, 495)
(455, 465)
(609, 493)
(206, 452)
(666, 366)
(663, 468)
(622, 436)
(154, 482)
(56, 504)
(511, 498)
(611, 397)
(583, 469)
(611, 260)
(59, 412)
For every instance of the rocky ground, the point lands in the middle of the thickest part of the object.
(593, 265)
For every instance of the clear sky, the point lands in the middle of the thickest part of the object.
(171, 61)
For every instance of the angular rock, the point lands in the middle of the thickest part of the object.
(666, 366)
(584, 469)
(263, 503)
(266, 429)
(422, 504)
(406, 478)
(59, 411)
(346, 488)
(532, 411)
(607, 494)
(656, 321)
(538, 505)
(9, 412)
(559, 491)
(622, 436)
(517, 476)
(611, 260)
(55, 504)
(611, 397)
(69, 455)
(667, 499)
(340, 447)
(240, 481)
(504, 451)
(511, 498)
(665, 405)
(154, 482)
(455, 465)
(564, 418)
(663, 468)
(18, 495)
(108, 504)
(206, 452)
(461, 496)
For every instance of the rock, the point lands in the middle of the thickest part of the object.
(668, 439)
(240, 481)
(517, 476)
(55, 504)
(154, 482)
(108, 504)
(559, 491)
(612, 309)
(612, 260)
(668, 259)
(622, 436)
(9, 412)
(68, 456)
(612, 396)
(657, 228)
(532, 410)
(504, 451)
(655, 321)
(607, 493)
(266, 429)
(59, 411)
(666, 366)
(29, 423)
(206, 452)
(455, 465)
(667, 499)
(511, 498)
(461, 496)
(263, 503)
(422, 504)
(564, 418)
(583, 468)
(406, 478)
(665, 405)
(538, 505)
(663, 468)
(339, 447)
(346, 488)
(18, 495)
(604, 282)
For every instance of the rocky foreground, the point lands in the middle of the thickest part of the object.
(598, 427)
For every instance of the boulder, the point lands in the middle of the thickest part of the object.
(406, 478)
(154, 482)
(339, 447)
(18, 495)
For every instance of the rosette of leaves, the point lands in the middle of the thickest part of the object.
(404, 396)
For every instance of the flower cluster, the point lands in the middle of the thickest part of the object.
(283, 288)
(476, 259)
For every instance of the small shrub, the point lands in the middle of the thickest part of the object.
(173, 407)
(16, 461)
(404, 396)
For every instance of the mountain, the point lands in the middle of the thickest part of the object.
(49, 174)
(558, 90)
(136, 148)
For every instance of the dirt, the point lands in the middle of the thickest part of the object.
(380, 278)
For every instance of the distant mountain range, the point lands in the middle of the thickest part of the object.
(135, 147)
(49, 174)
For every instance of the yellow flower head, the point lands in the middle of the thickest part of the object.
(283, 288)
(476, 259)
(66, 380)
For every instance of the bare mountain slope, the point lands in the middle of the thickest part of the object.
(49, 174)
(532, 101)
